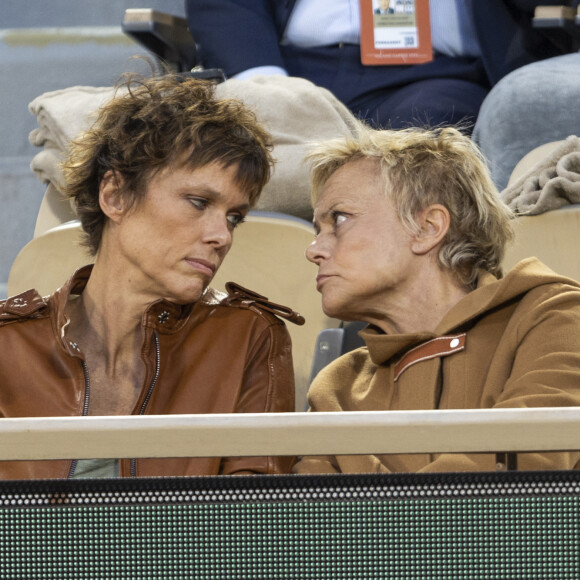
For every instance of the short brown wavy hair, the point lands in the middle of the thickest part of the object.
(153, 123)
(421, 167)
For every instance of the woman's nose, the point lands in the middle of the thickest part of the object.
(218, 232)
(315, 252)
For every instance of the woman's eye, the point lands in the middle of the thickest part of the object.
(198, 202)
(339, 218)
(235, 219)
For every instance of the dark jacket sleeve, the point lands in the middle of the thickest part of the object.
(235, 35)
(268, 388)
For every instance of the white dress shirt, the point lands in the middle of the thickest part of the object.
(324, 23)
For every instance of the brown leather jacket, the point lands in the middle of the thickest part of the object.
(223, 354)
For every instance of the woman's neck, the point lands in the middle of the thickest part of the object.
(423, 307)
(105, 317)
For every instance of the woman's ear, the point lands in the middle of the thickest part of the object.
(111, 197)
(434, 223)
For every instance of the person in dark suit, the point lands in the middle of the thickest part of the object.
(446, 90)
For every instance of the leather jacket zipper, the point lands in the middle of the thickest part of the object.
(85, 412)
(141, 410)
(133, 469)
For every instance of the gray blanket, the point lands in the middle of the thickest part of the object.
(550, 184)
(294, 110)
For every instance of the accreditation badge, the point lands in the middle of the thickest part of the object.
(395, 32)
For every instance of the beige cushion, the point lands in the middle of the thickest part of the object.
(54, 210)
(48, 261)
(553, 236)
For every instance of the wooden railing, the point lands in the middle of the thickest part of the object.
(380, 432)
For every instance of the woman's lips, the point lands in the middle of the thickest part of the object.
(202, 265)
(320, 279)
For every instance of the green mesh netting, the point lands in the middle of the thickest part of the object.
(456, 526)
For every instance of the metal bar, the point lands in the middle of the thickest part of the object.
(506, 461)
(381, 432)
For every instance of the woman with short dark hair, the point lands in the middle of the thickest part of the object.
(160, 182)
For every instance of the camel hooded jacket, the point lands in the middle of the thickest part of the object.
(223, 354)
(513, 342)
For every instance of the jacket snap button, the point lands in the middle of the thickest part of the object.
(163, 317)
(454, 343)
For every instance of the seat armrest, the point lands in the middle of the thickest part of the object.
(165, 35)
(561, 24)
(328, 347)
(334, 342)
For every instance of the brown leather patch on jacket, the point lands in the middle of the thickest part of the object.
(247, 298)
(25, 305)
(437, 347)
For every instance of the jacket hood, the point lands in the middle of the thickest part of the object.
(492, 293)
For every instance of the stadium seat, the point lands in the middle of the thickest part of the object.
(553, 236)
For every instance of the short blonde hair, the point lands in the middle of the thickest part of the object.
(421, 167)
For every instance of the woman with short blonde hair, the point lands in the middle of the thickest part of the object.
(410, 236)
(423, 167)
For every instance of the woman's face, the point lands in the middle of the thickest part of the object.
(172, 241)
(365, 263)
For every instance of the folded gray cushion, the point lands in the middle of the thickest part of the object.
(550, 184)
